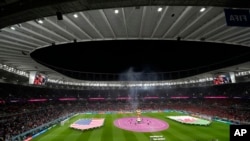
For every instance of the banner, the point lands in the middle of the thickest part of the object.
(32, 77)
(232, 77)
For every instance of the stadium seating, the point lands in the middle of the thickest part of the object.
(18, 114)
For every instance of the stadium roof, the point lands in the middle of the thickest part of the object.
(28, 25)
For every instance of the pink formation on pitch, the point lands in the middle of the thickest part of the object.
(146, 125)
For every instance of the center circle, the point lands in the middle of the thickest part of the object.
(146, 125)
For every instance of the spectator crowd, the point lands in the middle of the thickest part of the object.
(18, 114)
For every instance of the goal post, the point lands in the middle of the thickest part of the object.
(64, 121)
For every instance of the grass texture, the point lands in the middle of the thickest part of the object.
(216, 131)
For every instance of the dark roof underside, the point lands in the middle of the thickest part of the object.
(115, 57)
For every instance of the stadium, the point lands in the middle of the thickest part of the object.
(123, 70)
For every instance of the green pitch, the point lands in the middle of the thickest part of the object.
(176, 131)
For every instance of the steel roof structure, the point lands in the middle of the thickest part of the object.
(27, 25)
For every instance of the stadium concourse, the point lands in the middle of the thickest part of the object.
(24, 108)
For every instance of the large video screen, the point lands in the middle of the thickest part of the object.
(222, 79)
(37, 78)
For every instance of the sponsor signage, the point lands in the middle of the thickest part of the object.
(237, 17)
